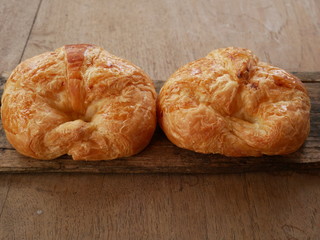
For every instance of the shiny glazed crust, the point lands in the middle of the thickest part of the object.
(230, 103)
(78, 100)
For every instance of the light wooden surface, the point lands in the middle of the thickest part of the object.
(78, 206)
(160, 36)
(16, 21)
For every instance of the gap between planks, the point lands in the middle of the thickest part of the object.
(30, 31)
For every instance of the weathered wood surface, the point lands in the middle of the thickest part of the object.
(162, 156)
(161, 206)
(16, 21)
(160, 36)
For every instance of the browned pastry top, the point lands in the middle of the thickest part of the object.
(231, 103)
(78, 100)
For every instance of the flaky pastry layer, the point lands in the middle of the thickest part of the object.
(78, 100)
(231, 103)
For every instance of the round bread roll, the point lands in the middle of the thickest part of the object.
(231, 103)
(78, 100)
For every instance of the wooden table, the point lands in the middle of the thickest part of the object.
(160, 36)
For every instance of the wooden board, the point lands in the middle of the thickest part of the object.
(162, 156)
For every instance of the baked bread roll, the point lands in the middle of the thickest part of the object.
(78, 100)
(231, 103)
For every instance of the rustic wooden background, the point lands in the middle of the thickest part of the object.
(160, 36)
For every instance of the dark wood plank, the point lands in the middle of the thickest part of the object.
(162, 156)
(308, 76)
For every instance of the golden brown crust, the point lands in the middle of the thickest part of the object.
(78, 100)
(232, 104)
(74, 57)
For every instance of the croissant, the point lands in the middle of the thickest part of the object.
(232, 104)
(78, 100)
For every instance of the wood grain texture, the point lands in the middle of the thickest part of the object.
(161, 36)
(162, 156)
(16, 21)
(242, 206)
